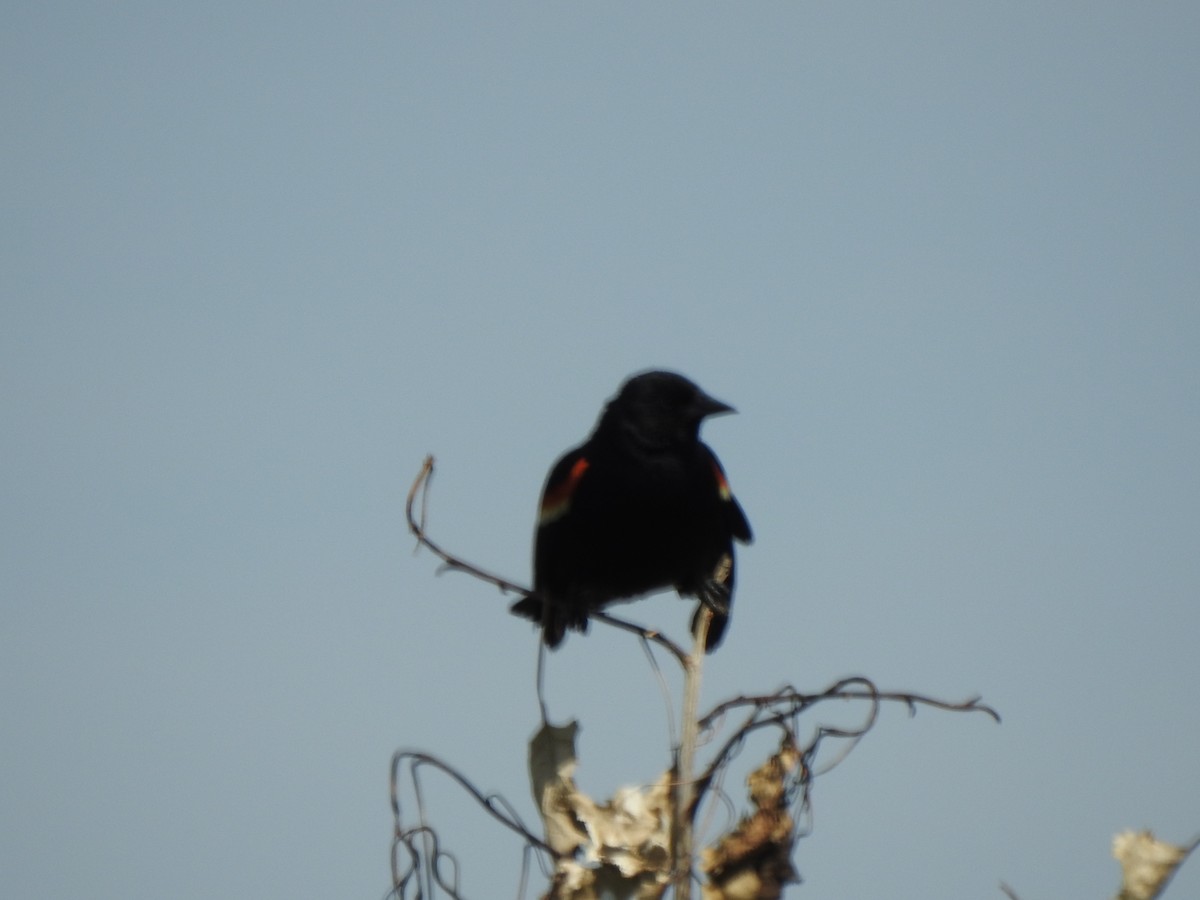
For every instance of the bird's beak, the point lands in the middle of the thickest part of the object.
(710, 406)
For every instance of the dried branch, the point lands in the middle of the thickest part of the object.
(783, 708)
(494, 804)
(841, 690)
(422, 870)
(417, 856)
(449, 561)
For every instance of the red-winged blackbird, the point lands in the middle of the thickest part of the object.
(643, 505)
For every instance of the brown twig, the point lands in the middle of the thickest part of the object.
(841, 690)
(495, 806)
(782, 708)
(419, 842)
(421, 485)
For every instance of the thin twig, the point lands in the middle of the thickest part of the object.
(663, 688)
(781, 709)
(841, 691)
(488, 801)
(541, 683)
(421, 485)
(648, 633)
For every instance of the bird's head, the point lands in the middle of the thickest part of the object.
(658, 410)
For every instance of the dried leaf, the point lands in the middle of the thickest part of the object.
(753, 862)
(551, 771)
(1147, 863)
(625, 842)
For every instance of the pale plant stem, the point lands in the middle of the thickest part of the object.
(685, 790)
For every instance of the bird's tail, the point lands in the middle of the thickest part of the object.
(554, 625)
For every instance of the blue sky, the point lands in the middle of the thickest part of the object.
(258, 259)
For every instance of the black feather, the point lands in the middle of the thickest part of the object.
(641, 506)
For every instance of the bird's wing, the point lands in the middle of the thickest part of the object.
(739, 526)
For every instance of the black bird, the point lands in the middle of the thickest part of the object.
(642, 506)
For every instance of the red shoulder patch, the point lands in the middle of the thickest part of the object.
(557, 498)
(722, 484)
